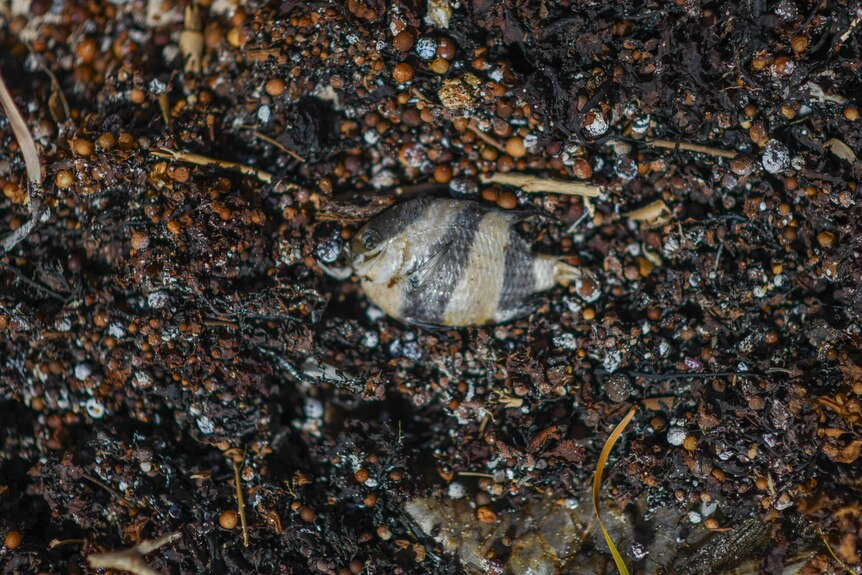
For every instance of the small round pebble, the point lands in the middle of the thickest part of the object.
(228, 519)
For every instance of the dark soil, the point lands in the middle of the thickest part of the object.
(164, 320)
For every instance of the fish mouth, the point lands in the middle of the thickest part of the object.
(364, 264)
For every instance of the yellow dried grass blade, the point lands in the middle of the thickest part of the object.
(597, 485)
(834, 556)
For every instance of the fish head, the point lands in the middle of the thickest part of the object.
(374, 252)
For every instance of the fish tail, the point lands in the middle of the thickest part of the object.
(585, 282)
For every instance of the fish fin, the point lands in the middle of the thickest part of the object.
(523, 309)
(529, 212)
(417, 279)
(425, 325)
(585, 282)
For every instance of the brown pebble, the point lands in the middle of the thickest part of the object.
(180, 174)
(307, 514)
(711, 523)
(275, 87)
(12, 540)
(442, 174)
(439, 65)
(106, 141)
(228, 519)
(826, 239)
(799, 43)
(851, 114)
(507, 201)
(446, 47)
(582, 169)
(361, 475)
(589, 314)
(82, 147)
(515, 147)
(403, 41)
(489, 195)
(137, 96)
(485, 514)
(140, 240)
(690, 443)
(402, 73)
(64, 179)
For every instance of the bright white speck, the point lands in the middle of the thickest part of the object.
(82, 371)
(776, 157)
(313, 408)
(676, 435)
(456, 490)
(612, 361)
(264, 113)
(566, 341)
(371, 137)
(95, 409)
(116, 330)
(694, 516)
(370, 339)
(157, 299)
(426, 48)
(205, 424)
(596, 125)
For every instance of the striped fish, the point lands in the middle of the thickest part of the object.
(445, 262)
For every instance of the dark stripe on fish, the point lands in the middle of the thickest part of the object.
(426, 302)
(393, 221)
(518, 280)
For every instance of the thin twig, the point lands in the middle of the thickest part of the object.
(475, 474)
(533, 184)
(240, 502)
(59, 542)
(849, 31)
(474, 127)
(688, 147)
(279, 145)
(200, 160)
(109, 489)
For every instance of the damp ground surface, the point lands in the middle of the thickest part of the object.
(165, 323)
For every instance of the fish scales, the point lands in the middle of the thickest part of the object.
(427, 299)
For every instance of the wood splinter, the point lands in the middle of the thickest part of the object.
(200, 160)
(688, 147)
(535, 184)
(131, 559)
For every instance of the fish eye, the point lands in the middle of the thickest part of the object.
(370, 239)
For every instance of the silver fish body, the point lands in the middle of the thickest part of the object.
(444, 262)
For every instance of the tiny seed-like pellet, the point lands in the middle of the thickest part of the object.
(515, 147)
(307, 514)
(228, 519)
(403, 41)
(507, 201)
(106, 141)
(275, 87)
(440, 65)
(12, 540)
(83, 147)
(64, 179)
(402, 73)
